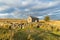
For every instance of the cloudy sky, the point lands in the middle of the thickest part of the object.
(24, 8)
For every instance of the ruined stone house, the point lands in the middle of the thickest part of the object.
(32, 19)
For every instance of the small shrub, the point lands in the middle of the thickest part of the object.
(47, 18)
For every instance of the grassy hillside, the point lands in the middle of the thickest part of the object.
(30, 31)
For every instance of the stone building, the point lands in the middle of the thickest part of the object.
(32, 19)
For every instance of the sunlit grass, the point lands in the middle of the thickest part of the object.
(45, 31)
